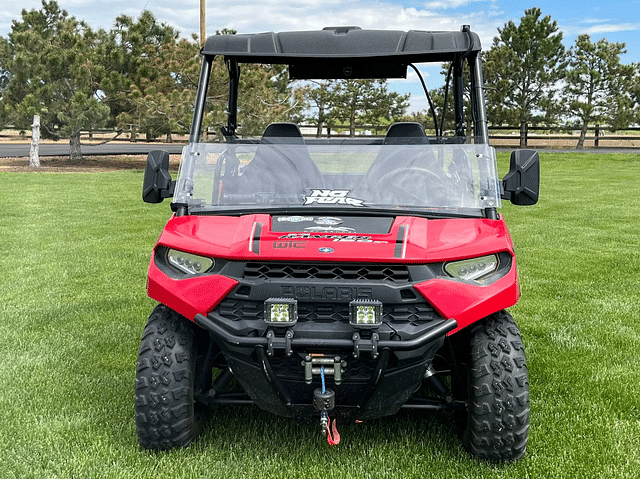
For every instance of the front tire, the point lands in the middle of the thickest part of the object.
(498, 391)
(166, 413)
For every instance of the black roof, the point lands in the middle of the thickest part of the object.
(343, 44)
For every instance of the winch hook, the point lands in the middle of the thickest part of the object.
(324, 400)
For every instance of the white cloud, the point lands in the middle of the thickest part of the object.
(247, 16)
(594, 20)
(451, 4)
(612, 27)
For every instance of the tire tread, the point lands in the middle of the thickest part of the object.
(498, 407)
(165, 410)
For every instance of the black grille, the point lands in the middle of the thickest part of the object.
(327, 271)
(238, 310)
(412, 313)
(323, 312)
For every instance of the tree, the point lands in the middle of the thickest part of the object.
(348, 101)
(264, 96)
(595, 82)
(319, 95)
(634, 93)
(55, 73)
(4, 75)
(165, 104)
(521, 70)
(133, 58)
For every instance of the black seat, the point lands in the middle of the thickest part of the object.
(406, 133)
(389, 158)
(282, 163)
(283, 133)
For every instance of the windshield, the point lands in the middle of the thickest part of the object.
(234, 178)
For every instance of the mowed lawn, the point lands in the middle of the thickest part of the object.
(74, 250)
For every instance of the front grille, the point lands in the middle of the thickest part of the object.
(327, 271)
(411, 313)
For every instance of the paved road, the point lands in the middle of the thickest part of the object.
(62, 149)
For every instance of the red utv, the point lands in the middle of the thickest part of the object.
(338, 278)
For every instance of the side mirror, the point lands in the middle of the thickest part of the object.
(157, 184)
(521, 185)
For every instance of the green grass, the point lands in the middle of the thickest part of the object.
(75, 248)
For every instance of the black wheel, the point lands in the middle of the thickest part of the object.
(167, 415)
(497, 426)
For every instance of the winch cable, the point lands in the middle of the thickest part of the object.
(333, 436)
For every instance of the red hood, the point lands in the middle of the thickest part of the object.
(410, 239)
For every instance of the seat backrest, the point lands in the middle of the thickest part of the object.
(390, 158)
(282, 163)
(406, 133)
(283, 133)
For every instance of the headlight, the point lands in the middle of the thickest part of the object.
(472, 269)
(188, 263)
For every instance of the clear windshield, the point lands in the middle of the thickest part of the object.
(236, 177)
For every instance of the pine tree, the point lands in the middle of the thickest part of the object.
(521, 71)
(595, 84)
(55, 73)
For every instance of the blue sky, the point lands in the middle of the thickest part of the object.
(617, 21)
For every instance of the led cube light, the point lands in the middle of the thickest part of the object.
(364, 313)
(281, 311)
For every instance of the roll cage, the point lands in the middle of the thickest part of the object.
(347, 53)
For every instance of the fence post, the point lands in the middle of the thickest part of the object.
(597, 140)
(34, 151)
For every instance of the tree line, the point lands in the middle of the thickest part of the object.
(140, 77)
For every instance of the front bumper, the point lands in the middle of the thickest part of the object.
(287, 343)
(278, 367)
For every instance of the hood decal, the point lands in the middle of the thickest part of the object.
(364, 225)
(254, 239)
(400, 250)
(332, 197)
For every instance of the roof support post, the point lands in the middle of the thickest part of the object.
(480, 122)
(458, 88)
(201, 100)
(234, 80)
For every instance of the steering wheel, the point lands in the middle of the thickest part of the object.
(412, 186)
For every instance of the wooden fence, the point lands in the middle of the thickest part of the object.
(509, 136)
(499, 136)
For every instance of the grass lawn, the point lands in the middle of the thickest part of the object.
(75, 248)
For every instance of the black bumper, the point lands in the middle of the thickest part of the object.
(381, 375)
(288, 343)
(380, 369)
